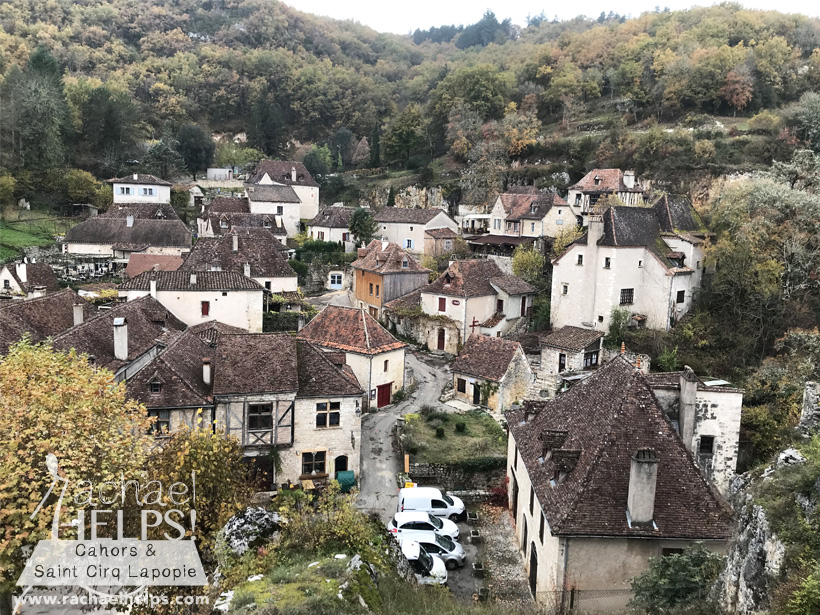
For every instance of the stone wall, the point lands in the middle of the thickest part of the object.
(454, 478)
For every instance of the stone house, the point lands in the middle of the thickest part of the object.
(199, 296)
(376, 357)
(568, 349)
(492, 372)
(528, 212)
(26, 280)
(254, 255)
(332, 224)
(280, 202)
(706, 414)
(601, 183)
(118, 238)
(140, 188)
(439, 241)
(406, 227)
(42, 317)
(438, 333)
(599, 482)
(225, 214)
(476, 294)
(291, 174)
(647, 260)
(384, 272)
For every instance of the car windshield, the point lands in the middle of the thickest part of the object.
(426, 561)
(445, 542)
(436, 522)
(447, 499)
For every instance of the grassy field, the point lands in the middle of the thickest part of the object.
(20, 229)
(480, 436)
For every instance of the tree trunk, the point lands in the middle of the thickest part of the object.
(5, 603)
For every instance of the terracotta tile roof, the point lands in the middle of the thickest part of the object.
(530, 207)
(269, 222)
(380, 259)
(441, 233)
(281, 171)
(147, 232)
(179, 371)
(473, 279)
(602, 422)
(333, 217)
(264, 256)
(37, 275)
(493, 320)
(512, 285)
(612, 180)
(39, 318)
(137, 263)
(149, 323)
(210, 331)
(349, 329)
(571, 338)
(264, 193)
(272, 355)
(405, 302)
(235, 204)
(319, 375)
(143, 211)
(406, 215)
(181, 280)
(485, 357)
(139, 178)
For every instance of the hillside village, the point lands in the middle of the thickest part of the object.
(549, 376)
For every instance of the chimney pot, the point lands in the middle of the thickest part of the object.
(247, 270)
(643, 479)
(206, 370)
(293, 174)
(21, 272)
(235, 242)
(193, 279)
(136, 176)
(78, 314)
(129, 221)
(152, 283)
(120, 339)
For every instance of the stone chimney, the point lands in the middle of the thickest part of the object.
(361, 252)
(193, 279)
(120, 339)
(129, 221)
(686, 403)
(78, 314)
(152, 284)
(235, 242)
(20, 269)
(629, 179)
(293, 174)
(136, 176)
(247, 270)
(384, 245)
(643, 478)
(206, 370)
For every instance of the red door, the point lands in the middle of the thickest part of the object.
(383, 394)
(440, 339)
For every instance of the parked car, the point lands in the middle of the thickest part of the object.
(431, 500)
(450, 551)
(409, 522)
(429, 569)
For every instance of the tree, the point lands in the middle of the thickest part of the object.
(676, 581)
(528, 264)
(737, 91)
(8, 186)
(405, 134)
(196, 148)
(232, 154)
(81, 186)
(391, 197)
(363, 226)
(163, 157)
(565, 238)
(375, 151)
(804, 116)
(266, 126)
(361, 155)
(57, 403)
(318, 161)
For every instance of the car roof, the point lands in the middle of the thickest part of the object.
(420, 492)
(411, 549)
(427, 536)
(411, 515)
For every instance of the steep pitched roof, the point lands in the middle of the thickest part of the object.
(181, 280)
(271, 194)
(234, 220)
(37, 275)
(137, 263)
(281, 171)
(39, 318)
(534, 208)
(236, 204)
(467, 279)
(210, 331)
(333, 217)
(274, 360)
(150, 211)
(671, 380)
(144, 232)
(611, 180)
(349, 329)
(179, 371)
(406, 215)
(405, 302)
(441, 233)
(319, 375)
(571, 338)
(675, 213)
(149, 324)
(485, 357)
(264, 256)
(512, 285)
(139, 178)
(601, 422)
(390, 258)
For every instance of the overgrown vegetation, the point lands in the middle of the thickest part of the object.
(464, 437)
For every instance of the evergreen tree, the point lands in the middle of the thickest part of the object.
(266, 126)
(196, 148)
(391, 197)
(375, 151)
(363, 226)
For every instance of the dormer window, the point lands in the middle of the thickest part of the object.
(447, 279)
(156, 387)
(223, 223)
(405, 264)
(266, 223)
(597, 180)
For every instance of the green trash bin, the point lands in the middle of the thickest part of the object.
(347, 480)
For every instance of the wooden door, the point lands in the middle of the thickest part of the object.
(383, 394)
(515, 501)
(533, 570)
(476, 393)
(440, 345)
(523, 306)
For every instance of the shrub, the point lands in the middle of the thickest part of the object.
(461, 427)
(242, 598)
(439, 432)
(498, 495)
(668, 359)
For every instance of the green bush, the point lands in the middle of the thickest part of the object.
(440, 432)
(461, 427)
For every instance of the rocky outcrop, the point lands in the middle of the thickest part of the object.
(411, 197)
(810, 415)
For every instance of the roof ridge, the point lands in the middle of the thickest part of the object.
(366, 332)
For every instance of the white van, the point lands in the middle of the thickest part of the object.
(431, 500)
(429, 569)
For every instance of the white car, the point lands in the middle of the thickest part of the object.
(450, 551)
(429, 569)
(431, 500)
(408, 522)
